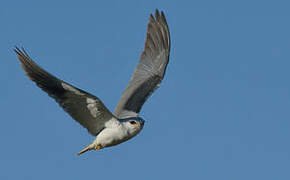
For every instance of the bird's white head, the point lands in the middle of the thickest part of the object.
(133, 125)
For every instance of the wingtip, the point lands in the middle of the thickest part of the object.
(162, 15)
(20, 51)
(16, 50)
(157, 14)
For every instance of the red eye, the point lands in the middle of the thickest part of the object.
(132, 122)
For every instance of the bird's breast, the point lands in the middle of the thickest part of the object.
(112, 136)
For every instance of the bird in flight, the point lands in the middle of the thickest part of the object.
(110, 128)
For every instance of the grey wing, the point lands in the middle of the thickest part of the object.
(150, 70)
(85, 108)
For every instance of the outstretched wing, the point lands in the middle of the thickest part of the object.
(85, 108)
(150, 70)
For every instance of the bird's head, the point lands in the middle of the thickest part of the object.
(133, 125)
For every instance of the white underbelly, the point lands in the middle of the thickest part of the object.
(110, 137)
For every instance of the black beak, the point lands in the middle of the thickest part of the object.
(142, 122)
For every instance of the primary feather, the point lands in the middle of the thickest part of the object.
(85, 108)
(150, 70)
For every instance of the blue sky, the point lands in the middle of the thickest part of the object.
(222, 111)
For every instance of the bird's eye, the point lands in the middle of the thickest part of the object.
(132, 122)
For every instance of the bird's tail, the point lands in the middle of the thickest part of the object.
(88, 148)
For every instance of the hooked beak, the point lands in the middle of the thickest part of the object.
(142, 122)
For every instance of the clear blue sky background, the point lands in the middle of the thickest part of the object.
(222, 111)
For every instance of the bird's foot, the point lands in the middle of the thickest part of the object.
(98, 147)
